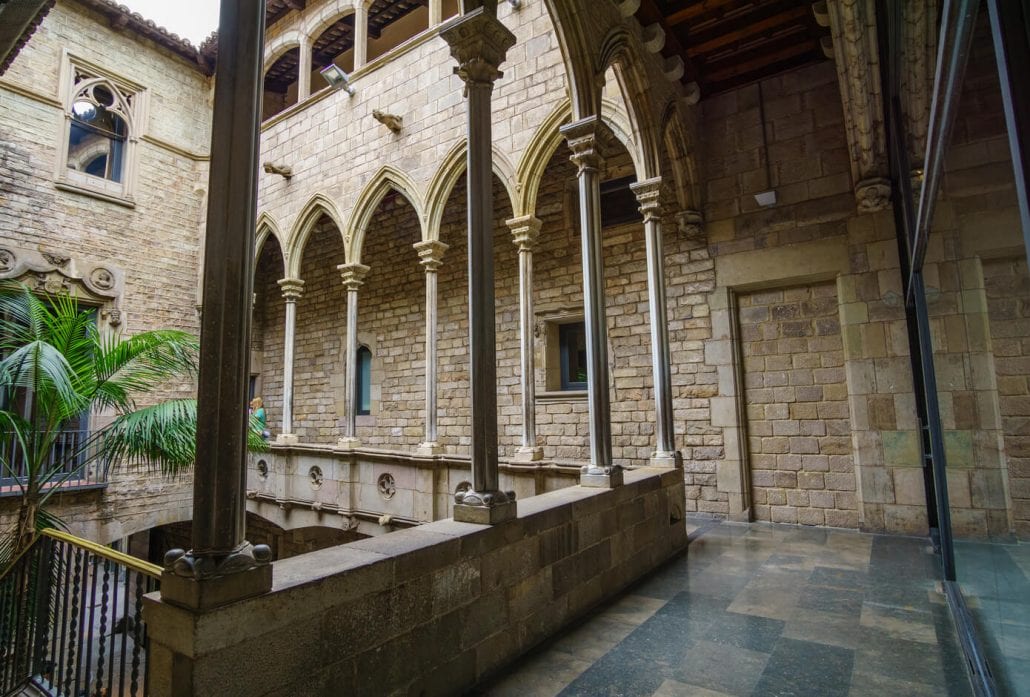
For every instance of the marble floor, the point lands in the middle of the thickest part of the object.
(759, 609)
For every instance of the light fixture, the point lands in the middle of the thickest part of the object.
(337, 78)
(766, 198)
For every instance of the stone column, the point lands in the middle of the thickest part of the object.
(479, 42)
(222, 566)
(435, 12)
(430, 255)
(353, 276)
(524, 232)
(292, 288)
(304, 69)
(648, 195)
(584, 138)
(360, 33)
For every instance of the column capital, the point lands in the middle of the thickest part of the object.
(649, 196)
(524, 231)
(353, 275)
(479, 42)
(292, 288)
(587, 139)
(430, 253)
(690, 222)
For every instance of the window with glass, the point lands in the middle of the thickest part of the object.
(572, 346)
(364, 381)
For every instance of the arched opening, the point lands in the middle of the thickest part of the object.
(454, 417)
(267, 332)
(281, 82)
(390, 24)
(390, 369)
(335, 44)
(318, 377)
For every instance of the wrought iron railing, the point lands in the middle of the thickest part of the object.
(71, 620)
(68, 462)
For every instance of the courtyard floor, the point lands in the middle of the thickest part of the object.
(759, 609)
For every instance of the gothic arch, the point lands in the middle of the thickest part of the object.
(385, 179)
(267, 227)
(317, 206)
(683, 157)
(279, 46)
(584, 91)
(447, 175)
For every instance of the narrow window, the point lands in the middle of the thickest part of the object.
(364, 381)
(98, 133)
(572, 342)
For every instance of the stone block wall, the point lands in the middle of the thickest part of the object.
(360, 614)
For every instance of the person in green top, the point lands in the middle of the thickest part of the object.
(257, 410)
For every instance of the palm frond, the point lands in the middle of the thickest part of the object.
(124, 368)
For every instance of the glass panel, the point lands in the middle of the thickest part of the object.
(364, 366)
(96, 141)
(573, 343)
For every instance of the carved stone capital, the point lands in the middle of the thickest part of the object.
(691, 223)
(479, 42)
(649, 196)
(202, 566)
(430, 253)
(587, 139)
(291, 288)
(484, 507)
(873, 195)
(353, 275)
(524, 231)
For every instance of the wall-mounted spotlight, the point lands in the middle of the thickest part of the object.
(337, 78)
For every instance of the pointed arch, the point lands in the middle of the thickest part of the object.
(585, 95)
(681, 149)
(447, 175)
(267, 227)
(371, 196)
(317, 206)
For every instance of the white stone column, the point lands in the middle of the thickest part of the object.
(479, 42)
(435, 12)
(583, 137)
(524, 232)
(430, 255)
(648, 195)
(353, 276)
(292, 288)
(360, 33)
(304, 69)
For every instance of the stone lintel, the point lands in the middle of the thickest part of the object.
(486, 515)
(208, 593)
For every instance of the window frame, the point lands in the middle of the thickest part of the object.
(363, 379)
(131, 99)
(565, 329)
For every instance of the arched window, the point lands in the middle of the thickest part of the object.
(363, 382)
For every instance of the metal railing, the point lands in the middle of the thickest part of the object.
(68, 461)
(71, 619)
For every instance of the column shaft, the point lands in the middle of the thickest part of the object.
(304, 70)
(648, 194)
(291, 289)
(360, 33)
(524, 233)
(430, 255)
(435, 12)
(353, 276)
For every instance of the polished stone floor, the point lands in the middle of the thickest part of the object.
(760, 609)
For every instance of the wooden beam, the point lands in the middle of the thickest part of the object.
(649, 13)
(763, 21)
(697, 9)
(754, 61)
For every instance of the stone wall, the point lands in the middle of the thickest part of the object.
(484, 594)
(153, 244)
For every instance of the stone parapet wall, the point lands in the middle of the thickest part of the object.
(429, 611)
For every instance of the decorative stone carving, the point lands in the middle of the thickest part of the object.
(386, 486)
(853, 30)
(284, 171)
(649, 194)
(691, 224)
(262, 468)
(462, 487)
(654, 38)
(56, 258)
(873, 195)
(479, 42)
(353, 275)
(483, 498)
(7, 260)
(102, 278)
(392, 121)
(316, 477)
(53, 283)
(673, 68)
(918, 64)
(692, 94)
(291, 288)
(430, 254)
(628, 8)
(243, 558)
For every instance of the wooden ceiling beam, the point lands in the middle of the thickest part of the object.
(697, 9)
(755, 60)
(649, 13)
(766, 20)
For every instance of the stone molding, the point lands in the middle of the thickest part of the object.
(649, 196)
(430, 253)
(479, 43)
(353, 275)
(586, 141)
(292, 288)
(524, 231)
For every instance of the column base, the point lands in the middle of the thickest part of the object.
(203, 583)
(601, 477)
(484, 507)
(528, 454)
(429, 448)
(667, 458)
(348, 443)
(287, 439)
